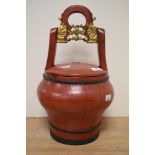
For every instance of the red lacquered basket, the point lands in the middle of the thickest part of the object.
(75, 95)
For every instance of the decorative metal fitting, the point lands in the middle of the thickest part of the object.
(77, 32)
(62, 32)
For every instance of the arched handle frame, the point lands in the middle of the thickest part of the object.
(67, 32)
(91, 34)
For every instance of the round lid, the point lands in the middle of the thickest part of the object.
(76, 73)
(76, 70)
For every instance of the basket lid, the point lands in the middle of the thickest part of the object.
(76, 73)
(76, 70)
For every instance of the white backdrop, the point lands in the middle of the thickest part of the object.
(112, 15)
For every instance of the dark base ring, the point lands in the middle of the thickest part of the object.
(74, 142)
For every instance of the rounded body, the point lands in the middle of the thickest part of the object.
(75, 110)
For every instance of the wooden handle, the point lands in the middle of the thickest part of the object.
(67, 32)
(101, 49)
(76, 9)
(100, 36)
(52, 49)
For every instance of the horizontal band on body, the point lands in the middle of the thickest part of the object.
(75, 131)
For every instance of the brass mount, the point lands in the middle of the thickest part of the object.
(77, 32)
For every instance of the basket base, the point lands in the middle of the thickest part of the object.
(74, 142)
(74, 137)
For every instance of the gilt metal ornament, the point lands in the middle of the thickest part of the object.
(62, 32)
(77, 32)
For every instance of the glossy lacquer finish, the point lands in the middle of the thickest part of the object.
(74, 107)
(75, 95)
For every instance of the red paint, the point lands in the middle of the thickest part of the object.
(75, 107)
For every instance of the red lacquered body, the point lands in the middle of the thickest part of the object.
(75, 95)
